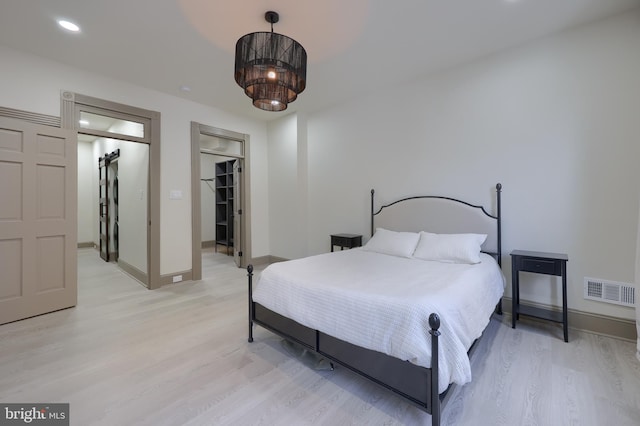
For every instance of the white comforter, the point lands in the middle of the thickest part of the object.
(383, 303)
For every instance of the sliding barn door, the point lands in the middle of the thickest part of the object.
(38, 219)
(103, 207)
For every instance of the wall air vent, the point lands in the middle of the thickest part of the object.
(609, 291)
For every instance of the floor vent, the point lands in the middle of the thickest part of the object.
(609, 291)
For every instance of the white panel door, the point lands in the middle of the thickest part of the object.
(38, 215)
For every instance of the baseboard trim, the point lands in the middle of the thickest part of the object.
(134, 272)
(168, 279)
(86, 245)
(207, 244)
(586, 321)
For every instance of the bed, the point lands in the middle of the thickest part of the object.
(394, 311)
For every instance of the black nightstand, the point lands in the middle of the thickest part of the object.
(539, 263)
(346, 240)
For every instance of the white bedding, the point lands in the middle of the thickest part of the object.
(383, 303)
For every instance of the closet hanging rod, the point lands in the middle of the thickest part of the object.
(208, 179)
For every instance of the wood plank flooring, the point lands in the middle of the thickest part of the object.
(179, 356)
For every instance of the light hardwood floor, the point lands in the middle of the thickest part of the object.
(179, 355)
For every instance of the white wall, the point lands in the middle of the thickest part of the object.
(637, 282)
(556, 122)
(85, 192)
(133, 172)
(133, 197)
(34, 84)
(287, 187)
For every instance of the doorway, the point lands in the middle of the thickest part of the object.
(113, 190)
(120, 126)
(220, 180)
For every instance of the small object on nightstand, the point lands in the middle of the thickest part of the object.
(539, 263)
(346, 240)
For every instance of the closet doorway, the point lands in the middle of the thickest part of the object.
(219, 192)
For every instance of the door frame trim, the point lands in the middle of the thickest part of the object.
(68, 119)
(196, 203)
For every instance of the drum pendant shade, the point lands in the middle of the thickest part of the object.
(270, 67)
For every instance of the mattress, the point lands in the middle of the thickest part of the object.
(382, 303)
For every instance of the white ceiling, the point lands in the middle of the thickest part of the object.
(354, 47)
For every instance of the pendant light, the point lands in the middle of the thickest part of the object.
(270, 67)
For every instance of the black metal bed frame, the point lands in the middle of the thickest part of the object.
(418, 385)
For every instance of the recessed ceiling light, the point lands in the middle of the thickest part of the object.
(69, 26)
(185, 88)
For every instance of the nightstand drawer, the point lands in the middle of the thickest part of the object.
(346, 240)
(540, 266)
(340, 241)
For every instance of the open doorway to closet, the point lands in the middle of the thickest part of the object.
(219, 192)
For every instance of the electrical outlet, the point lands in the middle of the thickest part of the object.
(177, 278)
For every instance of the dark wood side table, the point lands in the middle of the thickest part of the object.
(539, 263)
(346, 240)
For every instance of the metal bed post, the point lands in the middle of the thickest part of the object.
(499, 220)
(434, 323)
(498, 192)
(372, 192)
(250, 275)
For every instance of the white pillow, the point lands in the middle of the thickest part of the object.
(400, 244)
(451, 248)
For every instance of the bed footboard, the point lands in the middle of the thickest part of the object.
(434, 323)
(417, 385)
